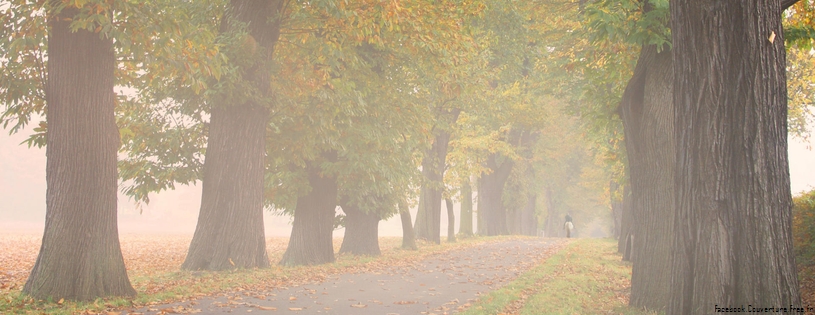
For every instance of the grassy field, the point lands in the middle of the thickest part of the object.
(586, 277)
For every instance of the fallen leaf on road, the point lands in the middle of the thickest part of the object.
(404, 302)
(295, 308)
(359, 305)
(266, 308)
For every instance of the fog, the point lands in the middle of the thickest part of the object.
(22, 201)
(22, 197)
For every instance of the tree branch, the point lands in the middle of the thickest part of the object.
(785, 4)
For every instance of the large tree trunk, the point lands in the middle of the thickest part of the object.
(408, 237)
(80, 257)
(465, 227)
(647, 112)
(311, 235)
(733, 205)
(428, 219)
(490, 192)
(361, 232)
(451, 221)
(230, 232)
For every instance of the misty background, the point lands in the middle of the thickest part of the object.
(22, 197)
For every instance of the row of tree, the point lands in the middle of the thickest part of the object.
(675, 117)
(298, 107)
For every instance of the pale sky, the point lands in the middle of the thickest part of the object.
(22, 196)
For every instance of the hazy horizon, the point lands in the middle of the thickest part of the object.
(22, 197)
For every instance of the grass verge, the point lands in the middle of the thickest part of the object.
(585, 277)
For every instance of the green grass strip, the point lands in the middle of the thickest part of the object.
(585, 277)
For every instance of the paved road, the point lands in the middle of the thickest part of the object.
(440, 284)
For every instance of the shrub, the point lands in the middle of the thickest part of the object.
(803, 228)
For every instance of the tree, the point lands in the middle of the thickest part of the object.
(361, 230)
(311, 236)
(733, 241)
(80, 257)
(451, 220)
(408, 235)
(229, 233)
(490, 192)
(465, 227)
(647, 113)
(428, 219)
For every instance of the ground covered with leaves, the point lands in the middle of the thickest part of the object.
(587, 276)
(806, 278)
(153, 267)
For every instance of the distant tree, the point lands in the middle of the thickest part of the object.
(465, 227)
(451, 220)
(490, 191)
(733, 240)
(80, 257)
(428, 218)
(408, 235)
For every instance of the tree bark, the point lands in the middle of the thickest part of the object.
(229, 233)
(80, 257)
(361, 232)
(733, 205)
(312, 230)
(490, 192)
(408, 237)
(465, 227)
(647, 112)
(451, 221)
(428, 219)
